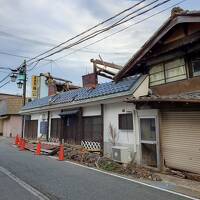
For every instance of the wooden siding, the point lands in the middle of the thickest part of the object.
(71, 129)
(31, 128)
(177, 87)
(55, 128)
(180, 140)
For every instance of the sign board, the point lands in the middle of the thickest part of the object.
(43, 127)
(35, 87)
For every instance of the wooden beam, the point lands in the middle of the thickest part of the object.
(106, 71)
(105, 75)
(111, 65)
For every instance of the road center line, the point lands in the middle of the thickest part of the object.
(26, 186)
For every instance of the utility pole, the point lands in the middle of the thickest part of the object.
(24, 95)
(20, 74)
(24, 82)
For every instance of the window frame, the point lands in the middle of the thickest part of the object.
(192, 60)
(125, 127)
(92, 128)
(166, 79)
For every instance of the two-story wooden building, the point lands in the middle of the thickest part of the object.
(169, 117)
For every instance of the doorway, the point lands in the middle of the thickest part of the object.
(149, 141)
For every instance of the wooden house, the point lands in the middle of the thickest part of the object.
(168, 117)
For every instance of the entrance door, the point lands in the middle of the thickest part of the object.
(71, 129)
(31, 129)
(149, 141)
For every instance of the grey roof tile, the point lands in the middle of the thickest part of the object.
(86, 93)
(37, 103)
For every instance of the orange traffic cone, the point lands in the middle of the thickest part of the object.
(38, 149)
(16, 139)
(22, 147)
(20, 142)
(61, 153)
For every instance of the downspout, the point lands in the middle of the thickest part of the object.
(102, 127)
(48, 119)
(135, 125)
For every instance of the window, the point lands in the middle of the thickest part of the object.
(175, 70)
(126, 121)
(157, 75)
(196, 66)
(93, 128)
(148, 129)
(168, 72)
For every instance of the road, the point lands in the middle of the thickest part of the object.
(29, 177)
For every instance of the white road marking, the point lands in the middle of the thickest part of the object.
(131, 180)
(26, 186)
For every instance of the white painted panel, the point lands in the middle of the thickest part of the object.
(92, 110)
(55, 114)
(111, 112)
(43, 87)
(39, 117)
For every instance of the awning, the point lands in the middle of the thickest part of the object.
(69, 112)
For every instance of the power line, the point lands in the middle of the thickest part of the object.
(5, 78)
(15, 55)
(157, 13)
(5, 84)
(140, 21)
(106, 29)
(82, 33)
(122, 29)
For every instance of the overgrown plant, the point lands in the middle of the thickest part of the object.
(114, 136)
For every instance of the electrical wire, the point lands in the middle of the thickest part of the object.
(5, 84)
(5, 78)
(33, 66)
(82, 33)
(15, 55)
(106, 29)
(140, 21)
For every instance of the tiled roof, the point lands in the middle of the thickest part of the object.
(183, 97)
(82, 94)
(37, 103)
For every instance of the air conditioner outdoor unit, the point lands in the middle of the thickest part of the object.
(121, 154)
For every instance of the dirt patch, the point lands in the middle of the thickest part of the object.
(91, 159)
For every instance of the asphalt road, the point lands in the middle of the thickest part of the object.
(61, 180)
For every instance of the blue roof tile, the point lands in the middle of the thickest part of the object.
(86, 93)
(37, 103)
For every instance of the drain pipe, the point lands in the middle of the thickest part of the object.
(48, 119)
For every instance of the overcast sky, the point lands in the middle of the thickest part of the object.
(29, 27)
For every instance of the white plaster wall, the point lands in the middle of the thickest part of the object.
(39, 117)
(125, 137)
(143, 89)
(92, 110)
(55, 114)
(43, 87)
